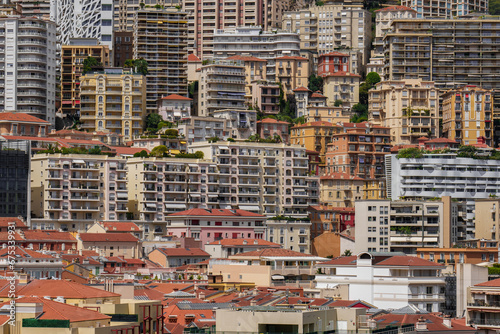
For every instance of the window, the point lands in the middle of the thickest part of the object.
(428, 290)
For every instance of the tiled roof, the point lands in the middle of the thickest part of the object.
(25, 253)
(243, 242)
(335, 53)
(20, 117)
(193, 57)
(4, 236)
(246, 58)
(332, 208)
(170, 287)
(149, 293)
(340, 176)
(318, 95)
(441, 140)
(62, 288)
(342, 261)
(216, 213)
(291, 58)
(53, 310)
(394, 9)
(433, 322)
(184, 252)
(272, 120)
(301, 89)
(176, 97)
(410, 261)
(39, 235)
(125, 150)
(275, 252)
(4, 222)
(320, 123)
(107, 237)
(120, 226)
(492, 283)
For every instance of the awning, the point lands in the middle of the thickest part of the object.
(275, 277)
(66, 163)
(249, 207)
(175, 206)
(112, 164)
(193, 165)
(194, 195)
(150, 205)
(175, 151)
(122, 195)
(77, 161)
(223, 148)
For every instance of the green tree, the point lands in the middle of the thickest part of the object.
(139, 65)
(338, 103)
(141, 154)
(494, 7)
(89, 63)
(347, 252)
(153, 120)
(159, 151)
(372, 78)
(315, 83)
(193, 89)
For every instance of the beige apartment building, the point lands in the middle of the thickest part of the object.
(221, 86)
(160, 37)
(332, 27)
(383, 22)
(487, 217)
(72, 191)
(290, 234)
(113, 100)
(341, 190)
(342, 86)
(410, 108)
(72, 58)
(467, 115)
(207, 17)
(404, 226)
(292, 72)
(446, 9)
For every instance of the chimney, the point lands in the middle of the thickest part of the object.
(421, 325)
(253, 303)
(188, 318)
(447, 321)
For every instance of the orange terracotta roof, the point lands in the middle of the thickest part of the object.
(53, 310)
(301, 89)
(193, 57)
(4, 222)
(291, 58)
(176, 97)
(66, 289)
(340, 176)
(20, 117)
(42, 139)
(331, 208)
(335, 53)
(120, 226)
(407, 261)
(441, 140)
(39, 235)
(4, 236)
(25, 253)
(124, 150)
(195, 252)
(492, 283)
(318, 95)
(271, 120)
(395, 9)
(342, 261)
(275, 252)
(108, 237)
(151, 294)
(246, 58)
(244, 242)
(216, 213)
(170, 287)
(433, 322)
(320, 123)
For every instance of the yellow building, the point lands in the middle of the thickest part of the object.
(73, 56)
(341, 190)
(342, 86)
(467, 115)
(255, 69)
(114, 101)
(292, 72)
(314, 136)
(374, 189)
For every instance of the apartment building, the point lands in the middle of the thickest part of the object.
(396, 280)
(243, 121)
(290, 234)
(113, 100)
(437, 175)
(255, 72)
(160, 37)
(483, 306)
(207, 18)
(314, 136)
(446, 9)
(265, 96)
(331, 27)
(123, 47)
(15, 179)
(483, 251)
(342, 86)
(383, 22)
(341, 190)
(174, 107)
(404, 226)
(28, 67)
(409, 107)
(198, 129)
(292, 72)
(269, 127)
(124, 12)
(73, 55)
(221, 86)
(315, 108)
(18, 124)
(256, 42)
(84, 19)
(467, 115)
(267, 178)
(420, 48)
(39, 9)
(210, 225)
(487, 216)
(77, 188)
(359, 150)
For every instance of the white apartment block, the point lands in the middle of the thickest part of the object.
(403, 226)
(270, 179)
(68, 190)
(383, 21)
(386, 280)
(290, 234)
(28, 67)
(241, 123)
(221, 86)
(199, 129)
(438, 175)
(446, 8)
(85, 19)
(124, 11)
(332, 27)
(254, 41)
(209, 16)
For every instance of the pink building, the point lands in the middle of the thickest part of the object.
(174, 107)
(266, 96)
(209, 225)
(333, 62)
(268, 127)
